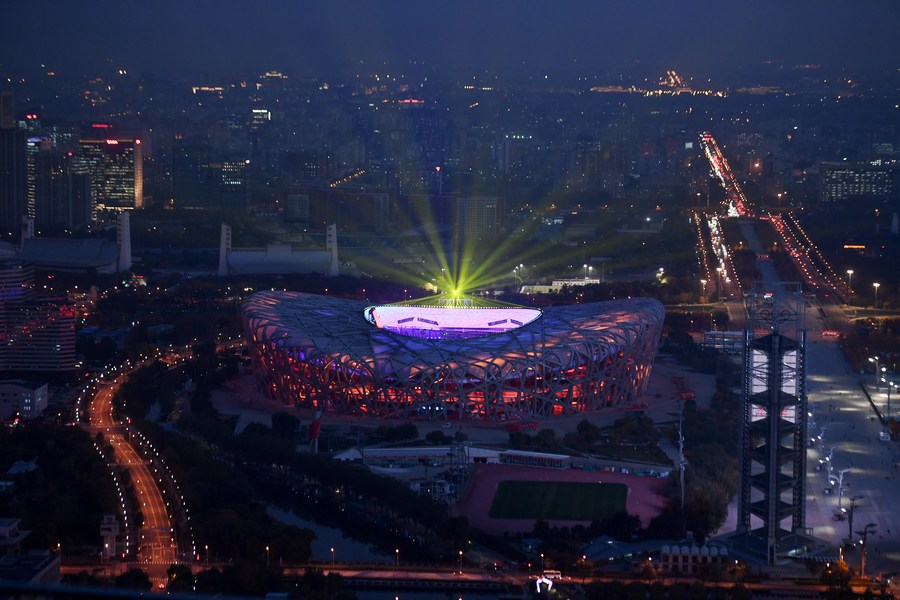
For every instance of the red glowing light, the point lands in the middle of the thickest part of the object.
(112, 141)
(100, 125)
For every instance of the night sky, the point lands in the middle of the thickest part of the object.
(185, 37)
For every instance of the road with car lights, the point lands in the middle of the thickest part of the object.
(156, 545)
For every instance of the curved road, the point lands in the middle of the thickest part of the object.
(157, 549)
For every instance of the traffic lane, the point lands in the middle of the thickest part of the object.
(849, 424)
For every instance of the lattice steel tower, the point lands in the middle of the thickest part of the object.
(773, 424)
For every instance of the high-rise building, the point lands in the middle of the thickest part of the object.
(36, 335)
(16, 281)
(296, 205)
(299, 166)
(231, 184)
(588, 159)
(33, 145)
(62, 193)
(115, 163)
(842, 181)
(7, 113)
(479, 216)
(191, 173)
(12, 167)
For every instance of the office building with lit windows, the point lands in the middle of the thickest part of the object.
(115, 165)
(841, 181)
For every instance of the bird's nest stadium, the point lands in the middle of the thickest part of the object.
(450, 359)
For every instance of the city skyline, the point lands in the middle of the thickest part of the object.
(512, 38)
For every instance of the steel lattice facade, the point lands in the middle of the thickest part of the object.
(319, 352)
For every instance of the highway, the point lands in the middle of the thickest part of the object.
(734, 195)
(156, 549)
(817, 274)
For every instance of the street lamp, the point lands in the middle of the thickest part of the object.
(874, 359)
(206, 548)
(517, 273)
(542, 562)
(890, 385)
(839, 480)
(702, 287)
(876, 285)
(853, 501)
(850, 280)
(460, 562)
(267, 556)
(719, 283)
(869, 528)
(830, 462)
(332, 558)
(585, 271)
(396, 558)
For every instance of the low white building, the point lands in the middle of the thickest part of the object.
(693, 559)
(26, 398)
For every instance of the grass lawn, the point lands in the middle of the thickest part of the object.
(558, 500)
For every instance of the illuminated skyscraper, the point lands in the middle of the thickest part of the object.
(115, 163)
(33, 145)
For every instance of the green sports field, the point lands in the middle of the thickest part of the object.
(558, 500)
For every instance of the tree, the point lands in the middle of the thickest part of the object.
(397, 433)
(740, 592)
(134, 579)
(546, 438)
(620, 526)
(285, 425)
(210, 581)
(437, 438)
(180, 578)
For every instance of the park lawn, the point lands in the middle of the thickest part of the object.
(562, 500)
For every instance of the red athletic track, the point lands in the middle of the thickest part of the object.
(646, 495)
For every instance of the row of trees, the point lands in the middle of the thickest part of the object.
(587, 438)
(62, 500)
